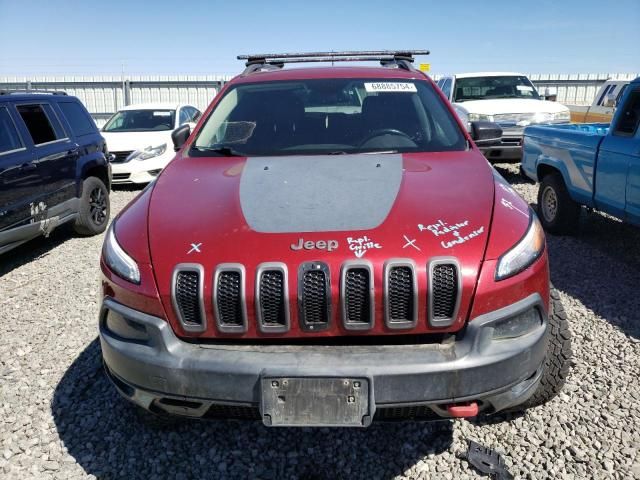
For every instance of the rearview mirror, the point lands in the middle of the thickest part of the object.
(180, 136)
(486, 133)
(610, 101)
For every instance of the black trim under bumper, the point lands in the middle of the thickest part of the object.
(159, 370)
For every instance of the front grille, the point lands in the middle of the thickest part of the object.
(443, 300)
(120, 157)
(229, 298)
(121, 176)
(356, 297)
(512, 141)
(187, 294)
(401, 296)
(314, 296)
(272, 299)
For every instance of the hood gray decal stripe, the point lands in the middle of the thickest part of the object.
(319, 193)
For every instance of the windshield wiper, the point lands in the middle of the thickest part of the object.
(224, 150)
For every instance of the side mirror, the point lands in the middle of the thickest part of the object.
(180, 136)
(486, 133)
(551, 93)
(610, 101)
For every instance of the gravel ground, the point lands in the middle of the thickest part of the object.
(60, 418)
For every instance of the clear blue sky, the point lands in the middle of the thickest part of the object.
(61, 37)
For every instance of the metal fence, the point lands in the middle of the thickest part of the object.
(104, 95)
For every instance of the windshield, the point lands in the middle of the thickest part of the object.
(329, 116)
(141, 121)
(482, 88)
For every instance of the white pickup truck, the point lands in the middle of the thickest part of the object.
(508, 99)
(603, 106)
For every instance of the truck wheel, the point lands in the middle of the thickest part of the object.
(557, 362)
(559, 214)
(94, 210)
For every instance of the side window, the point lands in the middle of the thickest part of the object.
(446, 87)
(184, 116)
(620, 93)
(9, 138)
(629, 116)
(604, 95)
(41, 123)
(195, 114)
(79, 120)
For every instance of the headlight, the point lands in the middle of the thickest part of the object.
(524, 253)
(479, 117)
(149, 152)
(117, 259)
(563, 116)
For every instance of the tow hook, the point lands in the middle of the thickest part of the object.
(463, 410)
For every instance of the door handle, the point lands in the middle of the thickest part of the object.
(28, 166)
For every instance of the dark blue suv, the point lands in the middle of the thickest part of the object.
(53, 167)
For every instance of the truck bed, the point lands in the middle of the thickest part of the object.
(572, 149)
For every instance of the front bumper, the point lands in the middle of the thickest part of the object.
(509, 148)
(139, 171)
(162, 373)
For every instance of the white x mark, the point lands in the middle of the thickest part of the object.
(411, 243)
(195, 247)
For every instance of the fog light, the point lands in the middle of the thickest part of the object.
(123, 328)
(517, 326)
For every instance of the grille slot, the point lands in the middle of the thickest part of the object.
(401, 307)
(272, 298)
(120, 157)
(444, 297)
(314, 296)
(238, 412)
(414, 412)
(229, 298)
(357, 296)
(187, 296)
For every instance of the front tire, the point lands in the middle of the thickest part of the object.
(558, 212)
(557, 362)
(95, 208)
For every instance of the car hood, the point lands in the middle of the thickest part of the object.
(510, 105)
(129, 141)
(332, 209)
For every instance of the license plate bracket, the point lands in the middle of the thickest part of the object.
(315, 401)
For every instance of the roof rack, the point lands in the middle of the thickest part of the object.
(47, 92)
(387, 58)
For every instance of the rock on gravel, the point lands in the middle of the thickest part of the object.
(60, 417)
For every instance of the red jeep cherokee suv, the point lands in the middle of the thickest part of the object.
(329, 247)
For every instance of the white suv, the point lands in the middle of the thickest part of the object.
(139, 139)
(508, 99)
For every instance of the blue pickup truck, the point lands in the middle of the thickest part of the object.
(592, 165)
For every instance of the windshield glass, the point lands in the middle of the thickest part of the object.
(141, 121)
(329, 116)
(482, 88)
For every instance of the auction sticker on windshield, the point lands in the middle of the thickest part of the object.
(390, 87)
